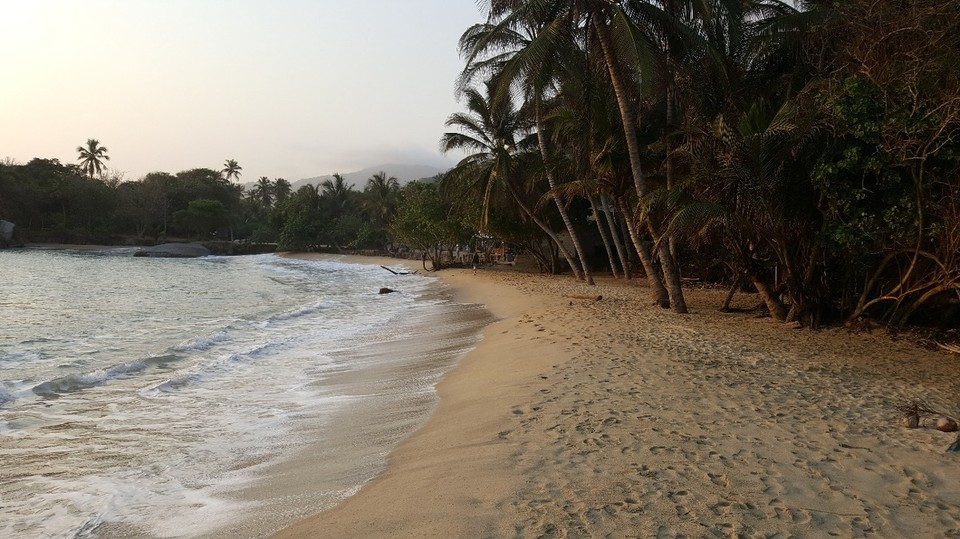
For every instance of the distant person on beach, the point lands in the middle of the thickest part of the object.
(476, 260)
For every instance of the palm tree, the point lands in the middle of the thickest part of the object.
(755, 190)
(263, 192)
(281, 189)
(515, 60)
(92, 157)
(336, 191)
(565, 25)
(231, 169)
(381, 196)
(492, 130)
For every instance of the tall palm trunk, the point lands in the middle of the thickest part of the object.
(603, 236)
(671, 275)
(627, 112)
(671, 270)
(627, 116)
(660, 295)
(612, 224)
(560, 207)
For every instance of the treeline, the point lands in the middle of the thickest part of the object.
(53, 202)
(810, 153)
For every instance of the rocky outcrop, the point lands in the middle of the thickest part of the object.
(174, 250)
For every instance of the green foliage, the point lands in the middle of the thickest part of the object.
(425, 220)
(300, 221)
(202, 216)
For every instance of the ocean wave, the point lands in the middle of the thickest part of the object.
(298, 312)
(174, 383)
(204, 371)
(200, 344)
(20, 356)
(77, 382)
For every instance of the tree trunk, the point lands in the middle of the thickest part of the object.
(733, 290)
(778, 311)
(615, 236)
(624, 103)
(660, 295)
(603, 236)
(672, 277)
(627, 118)
(556, 199)
(671, 270)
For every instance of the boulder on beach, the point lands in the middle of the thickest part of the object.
(174, 250)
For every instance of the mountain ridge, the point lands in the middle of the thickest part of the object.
(358, 179)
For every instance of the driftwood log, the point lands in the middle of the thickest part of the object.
(395, 272)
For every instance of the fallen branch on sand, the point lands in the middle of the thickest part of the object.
(955, 348)
(398, 272)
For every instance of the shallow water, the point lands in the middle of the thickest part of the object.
(213, 396)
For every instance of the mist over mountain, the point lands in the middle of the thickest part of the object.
(358, 179)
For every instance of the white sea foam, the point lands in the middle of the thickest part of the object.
(168, 384)
(203, 343)
(304, 310)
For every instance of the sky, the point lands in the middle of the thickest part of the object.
(289, 88)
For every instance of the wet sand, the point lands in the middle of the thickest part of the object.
(613, 418)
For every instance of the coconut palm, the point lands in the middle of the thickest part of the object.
(514, 62)
(281, 189)
(496, 134)
(231, 169)
(336, 192)
(381, 196)
(564, 25)
(91, 157)
(263, 192)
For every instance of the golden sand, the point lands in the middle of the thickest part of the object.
(577, 417)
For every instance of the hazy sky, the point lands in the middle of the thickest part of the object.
(288, 88)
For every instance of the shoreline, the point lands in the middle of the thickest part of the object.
(588, 418)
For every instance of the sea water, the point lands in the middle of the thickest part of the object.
(150, 397)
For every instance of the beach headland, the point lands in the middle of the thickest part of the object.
(578, 417)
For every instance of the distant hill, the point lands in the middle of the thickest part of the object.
(403, 173)
(358, 179)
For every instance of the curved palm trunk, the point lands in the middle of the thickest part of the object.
(776, 307)
(668, 256)
(603, 236)
(615, 235)
(627, 112)
(671, 275)
(543, 226)
(660, 295)
(627, 115)
(585, 274)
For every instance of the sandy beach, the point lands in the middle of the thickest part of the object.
(612, 418)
